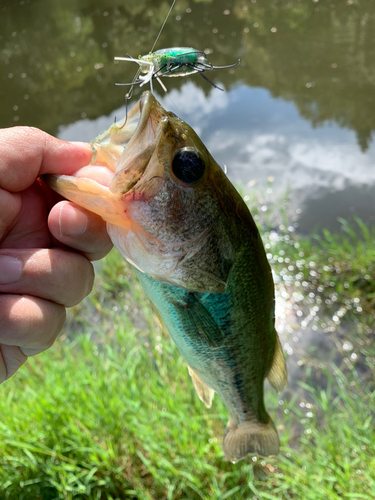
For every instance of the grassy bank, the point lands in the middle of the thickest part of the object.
(109, 411)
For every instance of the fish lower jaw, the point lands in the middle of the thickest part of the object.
(98, 173)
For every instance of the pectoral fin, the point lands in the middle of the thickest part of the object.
(207, 329)
(205, 393)
(277, 376)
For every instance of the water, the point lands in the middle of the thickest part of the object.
(300, 108)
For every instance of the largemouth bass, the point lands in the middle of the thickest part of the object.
(176, 218)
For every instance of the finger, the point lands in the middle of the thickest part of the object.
(40, 154)
(29, 322)
(79, 229)
(53, 274)
(28, 229)
(11, 358)
(10, 206)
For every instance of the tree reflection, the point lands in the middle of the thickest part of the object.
(57, 57)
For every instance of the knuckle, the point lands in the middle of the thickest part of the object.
(33, 135)
(82, 283)
(53, 331)
(90, 279)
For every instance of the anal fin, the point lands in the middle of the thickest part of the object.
(205, 393)
(277, 376)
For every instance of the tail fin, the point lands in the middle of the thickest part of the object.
(250, 437)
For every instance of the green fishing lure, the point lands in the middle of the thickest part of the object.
(172, 62)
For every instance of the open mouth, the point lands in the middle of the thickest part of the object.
(121, 156)
(111, 144)
(124, 146)
(141, 133)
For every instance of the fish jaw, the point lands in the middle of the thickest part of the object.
(96, 187)
(89, 194)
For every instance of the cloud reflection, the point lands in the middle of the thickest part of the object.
(257, 136)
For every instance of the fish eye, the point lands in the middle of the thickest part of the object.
(188, 166)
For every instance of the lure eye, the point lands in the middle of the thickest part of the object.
(188, 166)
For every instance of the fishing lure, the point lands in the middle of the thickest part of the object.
(172, 62)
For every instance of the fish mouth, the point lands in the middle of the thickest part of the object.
(121, 157)
(109, 146)
(140, 112)
(139, 136)
(151, 114)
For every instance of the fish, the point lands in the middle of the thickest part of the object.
(175, 217)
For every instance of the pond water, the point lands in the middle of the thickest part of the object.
(298, 111)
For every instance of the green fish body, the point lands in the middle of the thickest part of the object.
(174, 215)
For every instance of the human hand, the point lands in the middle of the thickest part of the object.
(46, 244)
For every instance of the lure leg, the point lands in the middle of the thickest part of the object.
(141, 79)
(203, 66)
(156, 75)
(209, 81)
(226, 67)
(201, 72)
(169, 71)
(162, 84)
(209, 67)
(135, 82)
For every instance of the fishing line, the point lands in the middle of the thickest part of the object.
(172, 62)
(174, 104)
(161, 29)
(130, 93)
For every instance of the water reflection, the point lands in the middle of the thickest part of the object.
(256, 137)
(326, 331)
(318, 55)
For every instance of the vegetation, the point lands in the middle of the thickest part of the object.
(109, 412)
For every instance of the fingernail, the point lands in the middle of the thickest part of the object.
(81, 143)
(86, 146)
(72, 222)
(10, 269)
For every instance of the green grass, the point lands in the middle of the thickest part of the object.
(109, 412)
